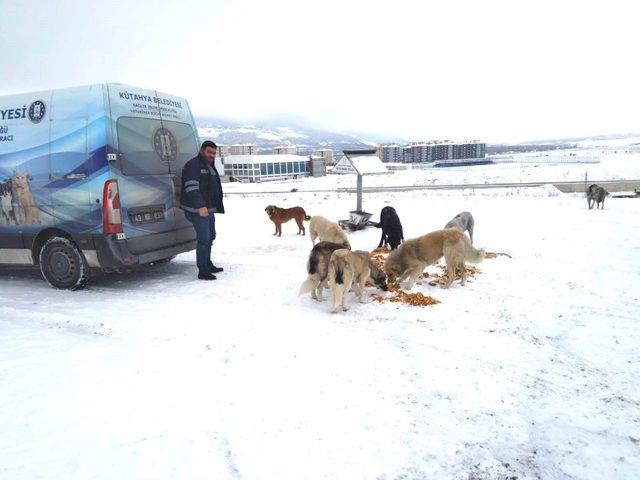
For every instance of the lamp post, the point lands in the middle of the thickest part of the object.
(359, 193)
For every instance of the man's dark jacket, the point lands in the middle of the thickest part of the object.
(201, 187)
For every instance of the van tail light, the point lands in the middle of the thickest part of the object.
(111, 218)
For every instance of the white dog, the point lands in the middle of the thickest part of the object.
(327, 231)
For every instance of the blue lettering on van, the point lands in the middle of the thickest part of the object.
(13, 113)
(135, 96)
(146, 98)
(3, 134)
(166, 101)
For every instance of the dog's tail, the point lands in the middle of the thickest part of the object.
(339, 274)
(312, 263)
(309, 284)
(339, 262)
(473, 255)
(307, 217)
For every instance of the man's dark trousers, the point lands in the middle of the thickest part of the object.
(205, 234)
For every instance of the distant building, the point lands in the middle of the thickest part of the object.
(285, 150)
(390, 153)
(243, 149)
(325, 153)
(260, 168)
(426, 152)
(223, 150)
(469, 150)
(318, 166)
(406, 154)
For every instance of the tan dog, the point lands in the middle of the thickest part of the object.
(28, 212)
(347, 269)
(282, 215)
(407, 262)
(318, 268)
(327, 231)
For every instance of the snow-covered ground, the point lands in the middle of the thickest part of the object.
(612, 166)
(531, 371)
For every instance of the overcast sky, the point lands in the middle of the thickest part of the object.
(494, 70)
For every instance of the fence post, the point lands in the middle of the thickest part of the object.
(585, 181)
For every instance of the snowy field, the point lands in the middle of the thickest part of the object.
(530, 371)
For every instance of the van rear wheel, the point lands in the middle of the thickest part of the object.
(63, 265)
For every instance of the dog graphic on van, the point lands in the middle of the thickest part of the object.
(28, 211)
(7, 214)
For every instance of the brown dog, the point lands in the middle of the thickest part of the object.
(282, 215)
(352, 269)
(318, 268)
(407, 262)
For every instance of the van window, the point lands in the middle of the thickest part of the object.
(148, 147)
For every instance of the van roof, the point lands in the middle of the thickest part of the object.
(90, 85)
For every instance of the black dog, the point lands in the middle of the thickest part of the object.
(596, 194)
(391, 228)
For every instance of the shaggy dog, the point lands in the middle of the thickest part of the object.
(347, 269)
(462, 221)
(282, 215)
(318, 268)
(391, 228)
(596, 194)
(29, 213)
(407, 262)
(327, 231)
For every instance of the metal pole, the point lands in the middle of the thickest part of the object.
(585, 181)
(359, 209)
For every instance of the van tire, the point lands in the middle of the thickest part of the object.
(63, 265)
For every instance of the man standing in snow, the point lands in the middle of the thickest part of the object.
(201, 199)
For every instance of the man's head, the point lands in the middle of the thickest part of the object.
(208, 150)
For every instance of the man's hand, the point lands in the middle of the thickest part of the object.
(203, 212)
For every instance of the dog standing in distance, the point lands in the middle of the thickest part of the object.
(326, 231)
(596, 194)
(407, 262)
(347, 269)
(391, 226)
(318, 268)
(282, 215)
(461, 222)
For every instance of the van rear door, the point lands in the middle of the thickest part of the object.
(155, 137)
